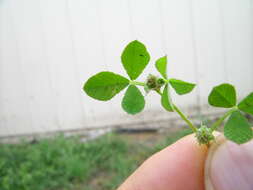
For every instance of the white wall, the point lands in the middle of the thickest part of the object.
(48, 48)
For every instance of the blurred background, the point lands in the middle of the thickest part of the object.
(49, 48)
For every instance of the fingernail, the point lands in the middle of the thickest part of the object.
(231, 166)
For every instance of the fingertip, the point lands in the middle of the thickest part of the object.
(176, 167)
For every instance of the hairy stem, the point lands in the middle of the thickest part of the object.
(137, 83)
(182, 115)
(219, 121)
(185, 118)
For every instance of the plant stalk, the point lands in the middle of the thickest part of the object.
(137, 83)
(190, 124)
(185, 118)
(219, 121)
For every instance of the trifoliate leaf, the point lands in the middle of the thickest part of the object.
(246, 104)
(105, 85)
(133, 101)
(161, 66)
(135, 58)
(181, 87)
(223, 95)
(237, 128)
(166, 100)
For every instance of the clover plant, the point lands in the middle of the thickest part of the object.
(135, 57)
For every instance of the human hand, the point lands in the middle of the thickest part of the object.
(181, 166)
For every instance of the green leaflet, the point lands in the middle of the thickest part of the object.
(133, 101)
(161, 66)
(246, 104)
(223, 95)
(165, 99)
(105, 85)
(181, 87)
(135, 58)
(237, 128)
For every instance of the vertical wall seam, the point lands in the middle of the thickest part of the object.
(251, 31)
(131, 23)
(2, 113)
(223, 39)
(195, 56)
(161, 17)
(56, 117)
(31, 119)
(102, 40)
(74, 55)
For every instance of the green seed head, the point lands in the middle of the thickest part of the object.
(154, 83)
(160, 82)
(204, 135)
(151, 81)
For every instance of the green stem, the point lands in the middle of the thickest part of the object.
(185, 118)
(159, 92)
(166, 81)
(219, 121)
(137, 83)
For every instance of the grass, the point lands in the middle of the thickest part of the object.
(65, 163)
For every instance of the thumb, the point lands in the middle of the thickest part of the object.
(229, 166)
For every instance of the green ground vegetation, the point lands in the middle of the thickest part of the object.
(62, 163)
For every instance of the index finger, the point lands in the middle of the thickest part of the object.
(177, 167)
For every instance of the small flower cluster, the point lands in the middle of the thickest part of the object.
(153, 83)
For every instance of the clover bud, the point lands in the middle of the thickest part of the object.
(160, 82)
(154, 83)
(204, 135)
(151, 81)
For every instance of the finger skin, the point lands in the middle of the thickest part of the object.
(177, 167)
